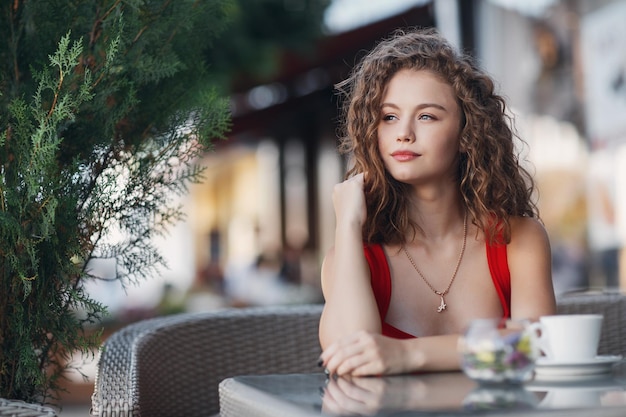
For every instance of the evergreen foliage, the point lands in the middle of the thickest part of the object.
(95, 140)
(104, 106)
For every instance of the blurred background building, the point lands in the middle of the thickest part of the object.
(259, 225)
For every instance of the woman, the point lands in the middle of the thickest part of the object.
(435, 225)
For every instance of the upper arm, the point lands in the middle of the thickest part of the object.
(530, 264)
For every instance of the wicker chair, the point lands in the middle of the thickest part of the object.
(611, 304)
(171, 366)
(16, 408)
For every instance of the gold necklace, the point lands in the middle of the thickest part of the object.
(442, 305)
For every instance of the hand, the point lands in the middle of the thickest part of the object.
(349, 200)
(363, 353)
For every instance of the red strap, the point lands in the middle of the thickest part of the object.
(379, 277)
(500, 274)
(381, 285)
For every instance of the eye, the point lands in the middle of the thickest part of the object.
(426, 117)
(389, 117)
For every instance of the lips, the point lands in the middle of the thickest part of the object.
(403, 156)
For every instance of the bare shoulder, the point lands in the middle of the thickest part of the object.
(529, 249)
(530, 265)
(528, 231)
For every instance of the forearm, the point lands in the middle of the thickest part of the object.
(349, 300)
(366, 354)
(433, 353)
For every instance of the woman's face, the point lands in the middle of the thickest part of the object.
(419, 128)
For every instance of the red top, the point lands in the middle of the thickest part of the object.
(381, 282)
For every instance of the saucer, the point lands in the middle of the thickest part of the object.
(551, 369)
(600, 382)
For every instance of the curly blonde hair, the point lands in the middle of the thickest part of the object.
(493, 184)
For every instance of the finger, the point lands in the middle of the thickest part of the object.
(345, 360)
(339, 351)
(351, 364)
(356, 351)
(362, 365)
(365, 369)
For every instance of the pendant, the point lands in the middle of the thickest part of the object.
(442, 305)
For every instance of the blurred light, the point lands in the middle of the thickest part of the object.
(534, 8)
(313, 80)
(268, 95)
(344, 15)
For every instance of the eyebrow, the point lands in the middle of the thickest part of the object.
(420, 106)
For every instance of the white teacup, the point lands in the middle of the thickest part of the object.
(569, 337)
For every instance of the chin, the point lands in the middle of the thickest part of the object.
(403, 176)
(405, 179)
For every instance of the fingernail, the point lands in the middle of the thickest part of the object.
(320, 362)
(322, 392)
(326, 371)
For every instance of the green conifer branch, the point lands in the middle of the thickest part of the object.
(56, 218)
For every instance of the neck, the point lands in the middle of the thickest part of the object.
(437, 223)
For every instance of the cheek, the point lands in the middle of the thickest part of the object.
(385, 136)
(383, 151)
(453, 141)
(380, 142)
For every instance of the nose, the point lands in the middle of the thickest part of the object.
(405, 134)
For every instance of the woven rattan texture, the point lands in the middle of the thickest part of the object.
(15, 408)
(610, 304)
(172, 366)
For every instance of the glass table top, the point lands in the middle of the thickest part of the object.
(445, 393)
